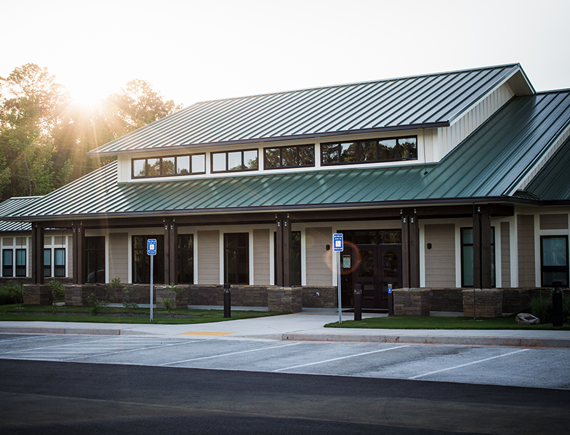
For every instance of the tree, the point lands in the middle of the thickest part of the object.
(31, 103)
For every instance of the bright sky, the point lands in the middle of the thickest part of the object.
(202, 50)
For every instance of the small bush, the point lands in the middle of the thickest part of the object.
(11, 293)
(57, 292)
(542, 308)
(131, 306)
(169, 305)
(566, 308)
(95, 304)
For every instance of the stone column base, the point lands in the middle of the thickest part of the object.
(37, 294)
(285, 299)
(411, 301)
(483, 302)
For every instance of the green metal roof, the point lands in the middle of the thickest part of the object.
(410, 102)
(486, 165)
(552, 183)
(10, 206)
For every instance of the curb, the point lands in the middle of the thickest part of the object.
(68, 331)
(468, 341)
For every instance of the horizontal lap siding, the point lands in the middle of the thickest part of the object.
(261, 256)
(526, 250)
(208, 257)
(317, 257)
(440, 259)
(119, 256)
(553, 221)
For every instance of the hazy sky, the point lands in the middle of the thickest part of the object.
(201, 50)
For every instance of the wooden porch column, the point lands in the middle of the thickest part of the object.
(173, 241)
(78, 252)
(482, 259)
(477, 247)
(405, 251)
(286, 252)
(410, 250)
(486, 260)
(166, 249)
(279, 251)
(37, 254)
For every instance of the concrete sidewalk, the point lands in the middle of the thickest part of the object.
(306, 326)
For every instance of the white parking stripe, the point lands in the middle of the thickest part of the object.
(467, 364)
(50, 347)
(228, 354)
(96, 355)
(339, 358)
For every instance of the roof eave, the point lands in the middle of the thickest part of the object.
(94, 153)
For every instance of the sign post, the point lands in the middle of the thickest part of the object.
(151, 250)
(338, 247)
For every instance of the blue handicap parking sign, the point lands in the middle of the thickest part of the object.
(151, 246)
(338, 242)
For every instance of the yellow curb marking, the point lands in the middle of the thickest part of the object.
(206, 333)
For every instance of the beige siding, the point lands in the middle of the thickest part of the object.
(208, 257)
(21, 242)
(440, 259)
(70, 257)
(59, 240)
(553, 221)
(261, 256)
(119, 256)
(318, 258)
(8, 241)
(505, 255)
(47, 240)
(526, 250)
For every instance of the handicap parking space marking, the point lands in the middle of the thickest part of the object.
(467, 364)
(115, 352)
(229, 354)
(51, 347)
(340, 358)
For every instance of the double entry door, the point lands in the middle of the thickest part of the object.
(379, 266)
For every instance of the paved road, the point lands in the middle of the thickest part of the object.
(70, 398)
(538, 368)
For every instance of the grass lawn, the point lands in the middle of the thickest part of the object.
(43, 313)
(420, 322)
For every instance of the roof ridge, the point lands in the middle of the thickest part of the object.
(366, 82)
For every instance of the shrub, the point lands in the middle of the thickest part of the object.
(542, 308)
(57, 292)
(127, 303)
(169, 305)
(94, 304)
(11, 293)
(566, 308)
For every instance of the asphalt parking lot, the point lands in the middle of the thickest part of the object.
(542, 368)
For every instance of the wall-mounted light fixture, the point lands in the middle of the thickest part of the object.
(429, 245)
(328, 247)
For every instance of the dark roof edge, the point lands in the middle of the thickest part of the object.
(261, 209)
(365, 82)
(274, 139)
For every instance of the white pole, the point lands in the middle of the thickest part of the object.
(151, 277)
(338, 285)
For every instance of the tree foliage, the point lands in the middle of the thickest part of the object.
(45, 137)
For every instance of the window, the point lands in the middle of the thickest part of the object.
(169, 166)
(141, 260)
(20, 262)
(59, 262)
(554, 260)
(369, 151)
(95, 259)
(232, 161)
(7, 262)
(236, 258)
(47, 262)
(185, 259)
(289, 157)
(467, 257)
